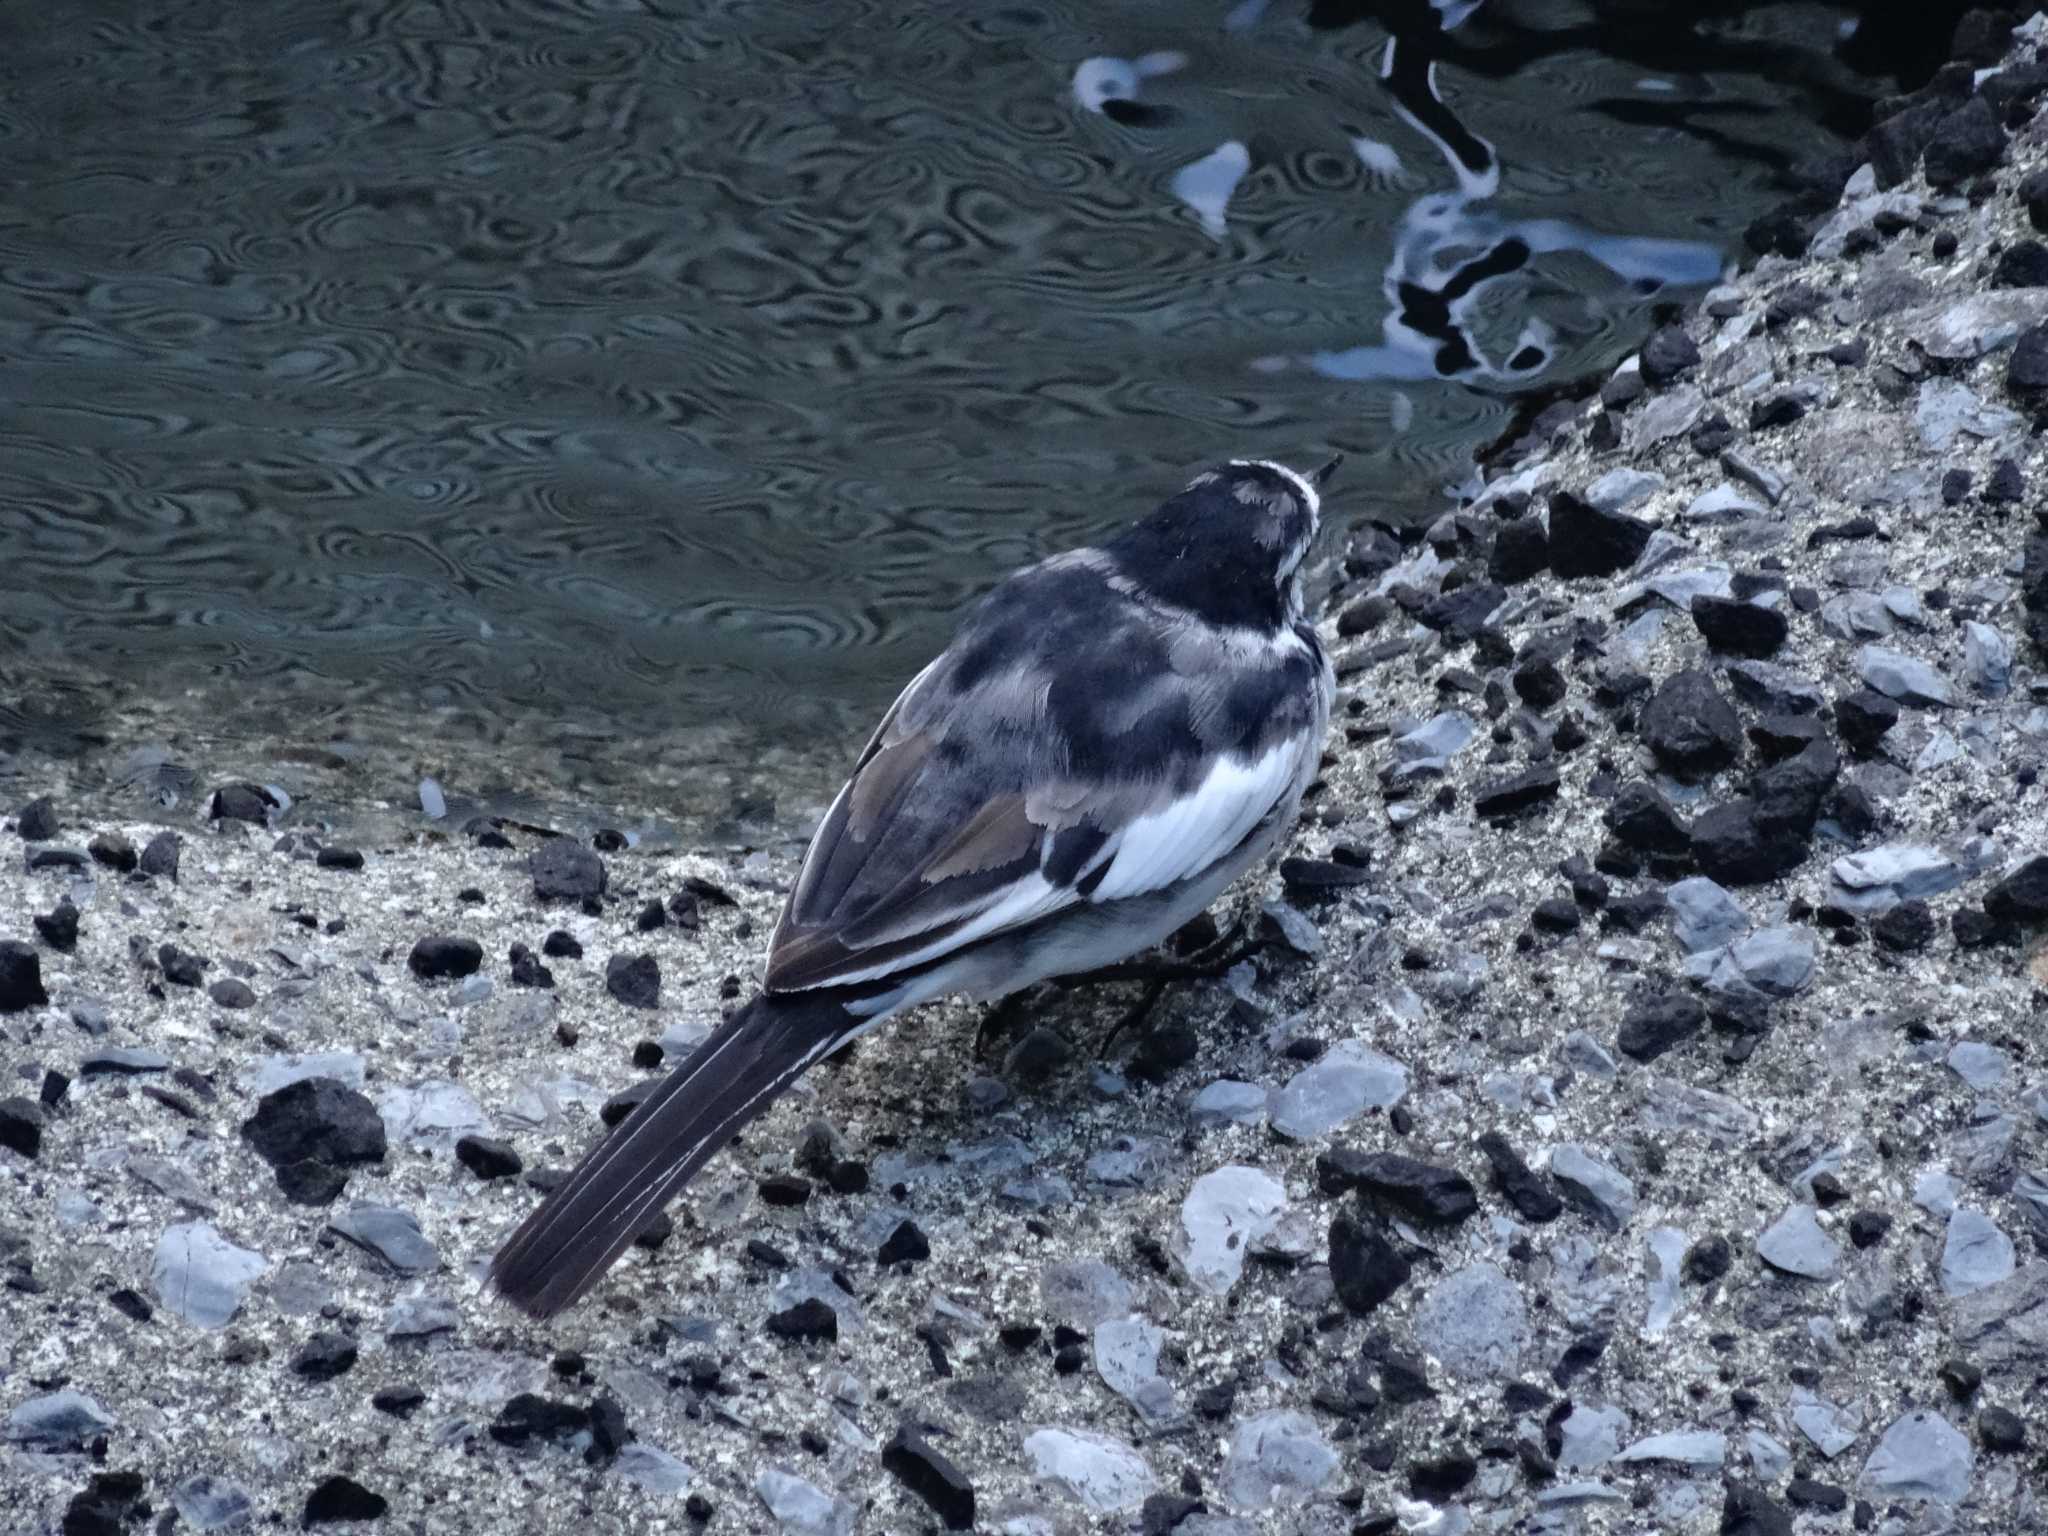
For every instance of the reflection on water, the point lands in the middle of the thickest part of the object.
(648, 387)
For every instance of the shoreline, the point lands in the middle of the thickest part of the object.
(1639, 1112)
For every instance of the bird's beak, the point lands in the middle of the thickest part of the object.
(1319, 477)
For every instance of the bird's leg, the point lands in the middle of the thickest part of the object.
(1205, 964)
(999, 1021)
(1155, 989)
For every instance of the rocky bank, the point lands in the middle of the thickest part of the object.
(1633, 1117)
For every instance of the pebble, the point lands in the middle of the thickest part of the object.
(1335, 1089)
(1106, 1475)
(1699, 1449)
(635, 980)
(1666, 1249)
(1276, 1458)
(312, 1131)
(1601, 1190)
(21, 977)
(1975, 1254)
(433, 1115)
(1832, 1427)
(1127, 1360)
(802, 1507)
(201, 1276)
(564, 870)
(1982, 1066)
(1879, 878)
(1586, 541)
(1987, 660)
(1704, 915)
(1905, 678)
(654, 1470)
(441, 956)
(1797, 1244)
(1921, 1455)
(1225, 1213)
(389, 1234)
(59, 1421)
(1691, 727)
(1476, 1323)
(1968, 328)
(1620, 489)
(1366, 1269)
(1589, 1436)
(1228, 1102)
(209, 1503)
(1084, 1293)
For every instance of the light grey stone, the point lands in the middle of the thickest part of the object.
(1797, 1244)
(2004, 1327)
(1936, 1191)
(420, 1317)
(1276, 1458)
(1769, 1457)
(65, 1420)
(1084, 1292)
(1902, 677)
(1982, 1066)
(1127, 1360)
(1945, 409)
(1671, 1104)
(1475, 1322)
(208, 1503)
(1704, 915)
(1603, 1191)
(1961, 329)
(201, 1276)
(1438, 739)
(653, 1470)
(1878, 879)
(1335, 1089)
(1722, 503)
(1588, 1055)
(801, 1506)
(1106, 1475)
(1699, 1449)
(433, 1114)
(1228, 1102)
(1857, 616)
(1987, 660)
(1832, 1427)
(1621, 489)
(1777, 961)
(1664, 1251)
(1224, 1214)
(1666, 416)
(1589, 1436)
(388, 1233)
(1921, 1456)
(1975, 1254)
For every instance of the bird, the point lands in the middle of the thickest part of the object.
(1113, 736)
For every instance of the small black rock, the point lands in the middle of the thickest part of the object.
(1747, 1511)
(932, 1477)
(242, 802)
(58, 927)
(442, 956)
(179, 967)
(487, 1158)
(339, 858)
(2001, 1431)
(1521, 549)
(342, 1499)
(1555, 914)
(231, 992)
(634, 980)
(1739, 629)
(1365, 1268)
(2022, 896)
(160, 857)
(113, 851)
(564, 870)
(528, 971)
(1584, 541)
(1691, 726)
(21, 1126)
(1868, 1228)
(2007, 485)
(1655, 1024)
(1641, 818)
(36, 822)
(1707, 1260)
(21, 977)
(1518, 795)
(1520, 1185)
(529, 1416)
(652, 916)
(1417, 1189)
(2026, 371)
(325, 1356)
(1668, 353)
(906, 1245)
(1906, 928)
(1734, 845)
(1778, 411)
(1966, 142)
(560, 945)
(311, 1132)
(1539, 684)
(399, 1402)
(1862, 718)
(1809, 1494)
(810, 1318)
(1438, 1478)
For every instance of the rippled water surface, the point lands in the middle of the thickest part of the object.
(654, 383)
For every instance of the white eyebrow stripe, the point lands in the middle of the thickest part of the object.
(1308, 492)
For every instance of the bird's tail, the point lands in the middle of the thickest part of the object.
(565, 1246)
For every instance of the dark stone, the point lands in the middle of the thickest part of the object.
(1162, 1513)
(1777, 737)
(180, 968)
(113, 851)
(564, 870)
(1654, 1024)
(1955, 487)
(1707, 1260)
(399, 1402)
(528, 971)
(652, 916)
(1363, 617)
(1438, 1478)
(1853, 353)
(230, 992)
(325, 1356)
(36, 822)
(109, 1502)
(1713, 433)
(1747, 1511)
(2001, 1431)
(1539, 684)
(311, 1132)
(1868, 1228)
(2022, 896)
(442, 956)
(2026, 371)
(1790, 793)
(1417, 1189)
(1641, 818)
(1555, 914)
(1584, 541)
(2007, 485)
(242, 802)
(634, 980)
(339, 858)
(1778, 411)
(340, 1499)
(487, 1158)
(21, 1125)
(1461, 613)
(1896, 143)
(1862, 718)
(1966, 142)
(786, 1191)
(1740, 629)
(1515, 796)
(1520, 550)
(1668, 353)
(2023, 264)
(21, 977)
(906, 1245)
(1962, 1378)
(1365, 1268)
(1311, 881)
(608, 1432)
(1808, 1494)
(1691, 727)
(1520, 1185)
(529, 1417)
(57, 858)
(1906, 929)
(1162, 1051)
(1733, 845)
(160, 856)
(810, 1318)
(58, 927)
(932, 1477)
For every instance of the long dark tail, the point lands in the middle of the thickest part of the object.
(585, 1223)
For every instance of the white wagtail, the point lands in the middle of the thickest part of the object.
(1113, 737)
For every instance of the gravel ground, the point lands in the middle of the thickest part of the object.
(1634, 1115)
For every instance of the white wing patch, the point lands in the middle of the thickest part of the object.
(1189, 834)
(1023, 901)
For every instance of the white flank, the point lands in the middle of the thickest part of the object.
(1191, 833)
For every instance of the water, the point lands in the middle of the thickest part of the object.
(628, 396)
